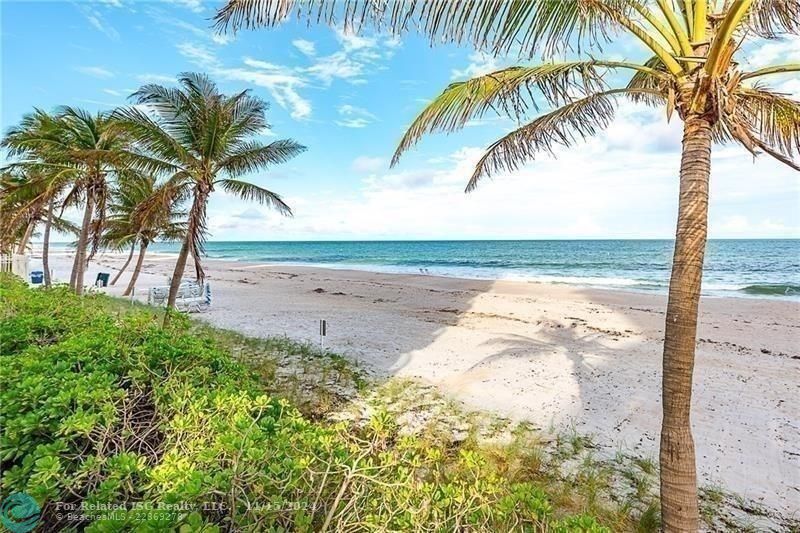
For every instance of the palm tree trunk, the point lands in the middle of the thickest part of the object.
(23, 244)
(79, 264)
(46, 244)
(177, 274)
(137, 269)
(196, 216)
(679, 506)
(127, 262)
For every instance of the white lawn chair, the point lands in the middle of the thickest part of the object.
(192, 297)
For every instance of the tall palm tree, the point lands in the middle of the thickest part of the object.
(33, 183)
(38, 124)
(27, 199)
(120, 232)
(91, 147)
(690, 69)
(202, 139)
(142, 212)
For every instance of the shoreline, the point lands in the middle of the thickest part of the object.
(556, 356)
(715, 293)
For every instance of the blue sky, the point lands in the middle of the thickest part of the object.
(349, 98)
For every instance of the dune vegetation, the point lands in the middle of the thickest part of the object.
(199, 429)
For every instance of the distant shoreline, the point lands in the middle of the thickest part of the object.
(603, 239)
(766, 291)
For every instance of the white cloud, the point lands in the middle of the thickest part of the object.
(155, 78)
(97, 21)
(354, 117)
(263, 65)
(96, 72)
(480, 64)
(358, 56)
(337, 65)
(198, 54)
(306, 47)
(368, 164)
(281, 83)
(350, 41)
(786, 50)
(193, 5)
(113, 92)
(221, 38)
(739, 226)
(172, 23)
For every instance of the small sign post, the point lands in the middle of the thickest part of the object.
(323, 332)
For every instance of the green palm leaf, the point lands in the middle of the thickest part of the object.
(498, 26)
(253, 156)
(251, 192)
(513, 91)
(564, 126)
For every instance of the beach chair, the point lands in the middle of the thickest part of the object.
(192, 296)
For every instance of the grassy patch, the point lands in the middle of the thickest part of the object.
(315, 381)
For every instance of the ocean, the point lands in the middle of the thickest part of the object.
(755, 268)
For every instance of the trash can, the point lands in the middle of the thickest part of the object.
(37, 277)
(102, 279)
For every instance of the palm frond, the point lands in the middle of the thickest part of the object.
(252, 192)
(63, 225)
(772, 18)
(150, 137)
(766, 120)
(773, 69)
(564, 126)
(644, 80)
(37, 133)
(247, 116)
(496, 26)
(253, 156)
(513, 91)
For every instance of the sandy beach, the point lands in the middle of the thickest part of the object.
(558, 356)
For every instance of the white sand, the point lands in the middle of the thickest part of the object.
(557, 356)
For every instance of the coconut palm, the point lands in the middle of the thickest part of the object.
(36, 124)
(143, 212)
(120, 232)
(46, 177)
(202, 139)
(21, 206)
(690, 70)
(89, 149)
(27, 200)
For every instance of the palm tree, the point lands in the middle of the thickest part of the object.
(689, 70)
(37, 125)
(39, 182)
(119, 231)
(90, 147)
(141, 213)
(202, 139)
(114, 245)
(27, 200)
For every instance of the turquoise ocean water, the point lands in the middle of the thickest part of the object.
(761, 268)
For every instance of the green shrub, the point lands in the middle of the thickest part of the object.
(163, 429)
